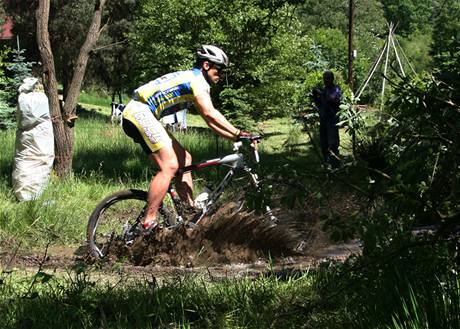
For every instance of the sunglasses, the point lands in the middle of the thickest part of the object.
(219, 68)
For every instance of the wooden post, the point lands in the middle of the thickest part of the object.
(351, 10)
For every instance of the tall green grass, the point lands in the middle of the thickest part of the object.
(60, 214)
(105, 160)
(76, 301)
(434, 306)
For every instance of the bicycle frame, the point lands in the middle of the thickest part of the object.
(130, 228)
(236, 163)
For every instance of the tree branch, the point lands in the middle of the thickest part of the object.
(80, 66)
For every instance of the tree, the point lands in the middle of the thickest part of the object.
(408, 15)
(263, 40)
(71, 35)
(64, 118)
(326, 22)
(61, 32)
(446, 44)
(110, 58)
(113, 61)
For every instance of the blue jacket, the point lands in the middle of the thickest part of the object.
(328, 101)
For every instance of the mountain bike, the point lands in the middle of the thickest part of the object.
(117, 217)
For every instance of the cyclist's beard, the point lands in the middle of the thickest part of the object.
(206, 77)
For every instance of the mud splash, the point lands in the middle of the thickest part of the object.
(223, 238)
(226, 244)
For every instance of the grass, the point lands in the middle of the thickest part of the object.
(435, 307)
(105, 160)
(77, 302)
(100, 99)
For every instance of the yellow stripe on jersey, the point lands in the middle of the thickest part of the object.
(170, 90)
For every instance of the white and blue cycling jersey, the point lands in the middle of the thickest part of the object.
(166, 94)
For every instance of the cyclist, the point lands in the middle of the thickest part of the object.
(166, 95)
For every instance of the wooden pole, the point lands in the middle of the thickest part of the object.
(351, 10)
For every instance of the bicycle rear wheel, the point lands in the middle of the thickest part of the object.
(115, 218)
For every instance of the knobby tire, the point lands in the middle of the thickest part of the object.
(116, 214)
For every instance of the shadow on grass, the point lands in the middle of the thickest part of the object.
(92, 114)
(131, 162)
(6, 169)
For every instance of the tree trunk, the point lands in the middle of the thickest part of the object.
(79, 70)
(63, 135)
(63, 118)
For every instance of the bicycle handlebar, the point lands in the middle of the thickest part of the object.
(230, 158)
(252, 140)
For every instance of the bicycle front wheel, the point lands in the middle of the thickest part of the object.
(114, 218)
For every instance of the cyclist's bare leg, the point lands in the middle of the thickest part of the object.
(166, 159)
(184, 182)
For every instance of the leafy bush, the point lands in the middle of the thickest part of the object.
(406, 276)
(7, 116)
(18, 69)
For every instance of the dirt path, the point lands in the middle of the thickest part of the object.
(65, 258)
(237, 245)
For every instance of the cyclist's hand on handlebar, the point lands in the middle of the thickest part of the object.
(248, 137)
(244, 135)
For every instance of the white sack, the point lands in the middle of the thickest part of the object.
(34, 153)
(177, 120)
(33, 109)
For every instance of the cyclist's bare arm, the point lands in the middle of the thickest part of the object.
(214, 119)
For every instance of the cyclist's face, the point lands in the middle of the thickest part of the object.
(214, 72)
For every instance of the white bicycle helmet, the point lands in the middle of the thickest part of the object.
(212, 54)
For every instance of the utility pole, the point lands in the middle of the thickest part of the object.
(351, 14)
(351, 18)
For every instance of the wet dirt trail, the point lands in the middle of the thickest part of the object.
(225, 245)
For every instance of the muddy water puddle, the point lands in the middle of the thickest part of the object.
(228, 246)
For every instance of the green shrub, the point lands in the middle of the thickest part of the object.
(7, 116)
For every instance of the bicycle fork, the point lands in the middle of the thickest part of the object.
(256, 182)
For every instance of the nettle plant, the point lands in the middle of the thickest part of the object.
(412, 155)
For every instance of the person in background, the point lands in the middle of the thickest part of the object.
(167, 95)
(327, 100)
